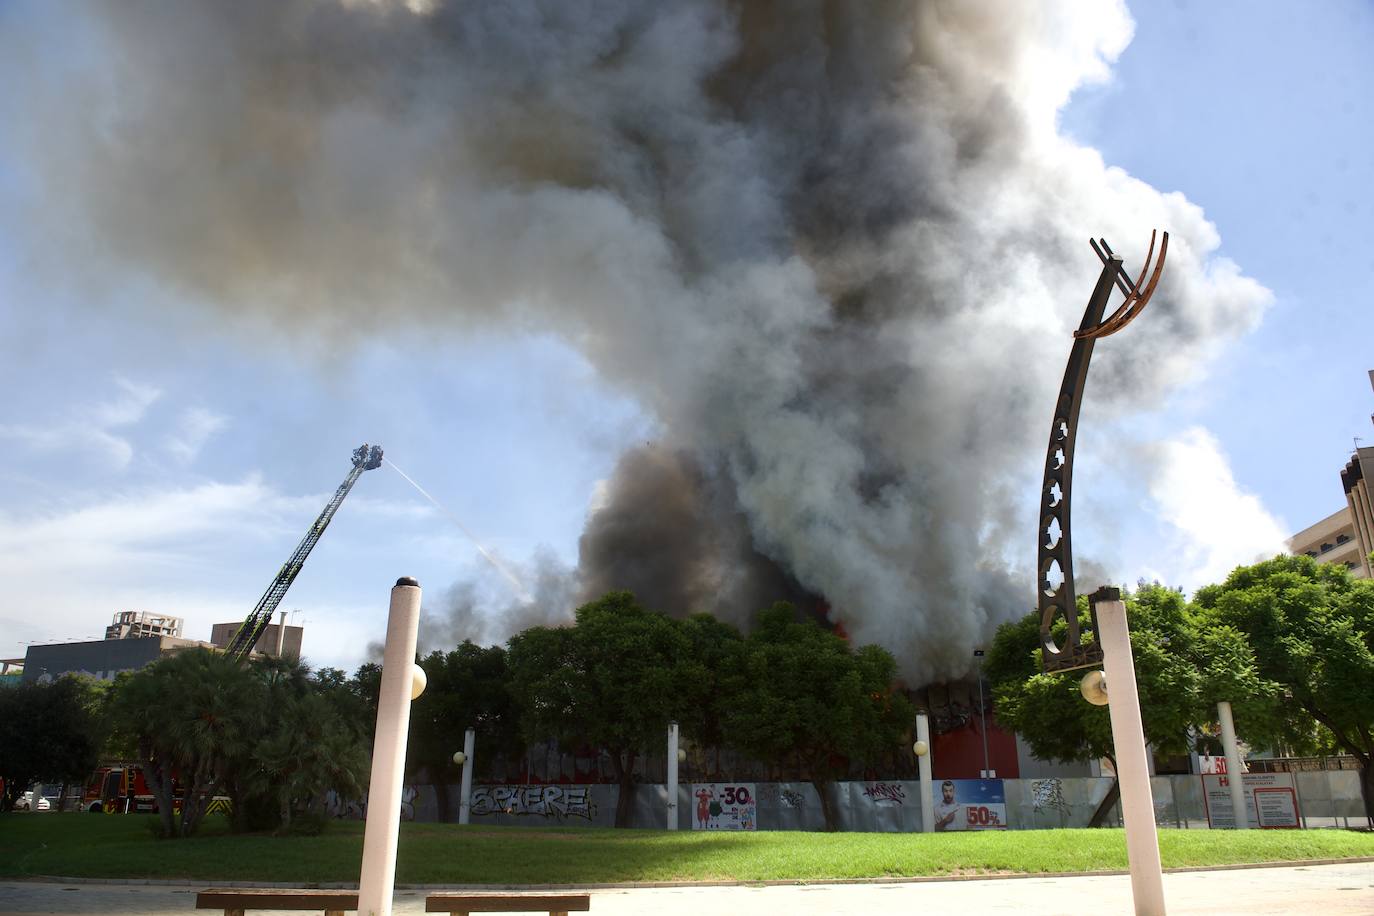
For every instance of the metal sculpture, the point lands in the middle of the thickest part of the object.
(1055, 559)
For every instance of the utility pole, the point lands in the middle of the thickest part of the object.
(983, 716)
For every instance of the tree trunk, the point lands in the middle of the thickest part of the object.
(61, 798)
(822, 787)
(441, 795)
(160, 782)
(196, 798)
(284, 812)
(624, 773)
(1367, 789)
(1105, 808)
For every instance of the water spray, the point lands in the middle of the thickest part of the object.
(520, 591)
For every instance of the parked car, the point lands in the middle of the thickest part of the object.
(31, 802)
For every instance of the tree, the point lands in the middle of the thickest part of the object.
(1049, 712)
(187, 717)
(715, 652)
(467, 688)
(1310, 628)
(613, 680)
(49, 733)
(801, 690)
(304, 750)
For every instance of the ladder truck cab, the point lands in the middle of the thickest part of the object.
(121, 789)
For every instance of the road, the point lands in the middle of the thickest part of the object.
(1325, 889)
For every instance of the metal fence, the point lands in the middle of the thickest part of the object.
(1326, 798)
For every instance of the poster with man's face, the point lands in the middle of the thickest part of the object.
(970, 804)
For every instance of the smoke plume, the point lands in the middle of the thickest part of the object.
(836, 249)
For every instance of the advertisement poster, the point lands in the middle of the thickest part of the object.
(970, 804)
(1271, 800)
(724, 806)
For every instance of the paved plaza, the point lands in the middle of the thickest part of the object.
(1325, 889)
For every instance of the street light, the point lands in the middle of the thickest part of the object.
(982, 715)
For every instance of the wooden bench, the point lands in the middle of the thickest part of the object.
(466, 904)
(236, 901)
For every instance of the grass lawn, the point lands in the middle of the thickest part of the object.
(121, 846)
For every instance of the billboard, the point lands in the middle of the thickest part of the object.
(725, 806)
(1271, 800)
(970, 804)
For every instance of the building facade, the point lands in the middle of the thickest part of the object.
(1347, 535)
(1333, 540)
(1355, 478)
(134, 624)
(99, 658)
(278, 640)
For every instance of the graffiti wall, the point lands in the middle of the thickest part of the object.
(556, 803)
(888, 806)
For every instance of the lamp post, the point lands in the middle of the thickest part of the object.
(464, 759)
(1235, 776)
(982, 715)
(402, 682)
(922, 750)
(674, 756)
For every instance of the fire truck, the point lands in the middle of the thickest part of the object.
(122, 789)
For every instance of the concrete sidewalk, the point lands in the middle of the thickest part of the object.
(1324, 889)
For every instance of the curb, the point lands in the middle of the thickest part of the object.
(633, 885)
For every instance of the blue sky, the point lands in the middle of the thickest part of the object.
(161, 458)
(1261, 113)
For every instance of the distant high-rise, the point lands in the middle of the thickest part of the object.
(1356, 480)
(1332, 540)
(137, 624)
(277, 639)
(1346, 536)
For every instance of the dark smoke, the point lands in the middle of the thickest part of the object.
(834, 248)
(674, 534)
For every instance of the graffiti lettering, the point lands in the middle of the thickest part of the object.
(885, 793)
(792, 799)
(1048, 793)
(537, 801)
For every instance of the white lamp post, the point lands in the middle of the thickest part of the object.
(1235, 776)
(465, 790)
(1128, 738)
(922, 751)
(674, 755)
(402, 682)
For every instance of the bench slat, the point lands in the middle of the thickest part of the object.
(508, 903)
(275, 898)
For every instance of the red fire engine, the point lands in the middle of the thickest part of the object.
(121, 789)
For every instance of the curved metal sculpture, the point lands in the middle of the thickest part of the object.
(1055, 556)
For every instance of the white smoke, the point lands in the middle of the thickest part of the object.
(836, 249)
(1217, 526)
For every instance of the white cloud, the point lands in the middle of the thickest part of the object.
(136, 528)
(1216, 524)
(195, 428)
(88, 429)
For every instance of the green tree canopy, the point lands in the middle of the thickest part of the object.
(716, 648)
(1310, 629)
(1049, 712)
(49, 733)
(614, 680)
(800, 690)
(467, 688)
(189, 717)
(304, 749)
